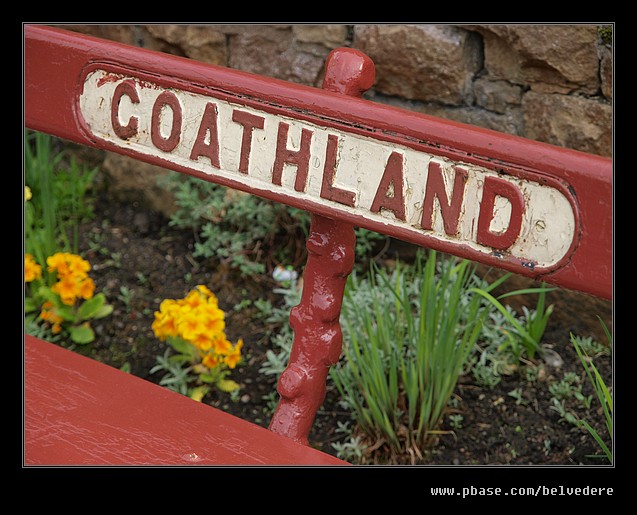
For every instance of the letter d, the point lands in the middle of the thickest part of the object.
(494, 187)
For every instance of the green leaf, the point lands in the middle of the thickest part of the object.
(527, 291)
(208, 378)
(66, 312)
(47, 294)
(198, 393)
(181, 346)
(82, 334)
(598, 439)
(104, 311)
(90, 307)
(227, 385)
(29, 305)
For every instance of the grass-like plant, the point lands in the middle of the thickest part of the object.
(42, 235)
(601, 391)
(526, 333)
(407, 334)
(60, 298)
(56, 198)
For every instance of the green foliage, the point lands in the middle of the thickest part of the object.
(278, 317)
(177, 374)
(194, 327)
(592, 347)
(568, 399)
(352, 448)
(56, 201)
(69, 305)
(525, 335)
(492, 358)
(42, 238)
(602, 392)
(233, 227)
(244, 230)
(606, 34)
(59, 199)
(407, 334)
(569, 387)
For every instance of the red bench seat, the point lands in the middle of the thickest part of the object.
(78, 411)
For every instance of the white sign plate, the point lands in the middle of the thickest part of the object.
(400, 187)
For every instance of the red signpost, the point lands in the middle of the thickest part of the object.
(535, 209)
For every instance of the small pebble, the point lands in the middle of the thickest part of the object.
(552, 358)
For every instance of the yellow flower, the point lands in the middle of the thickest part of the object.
(49, 315)
(164, 327)
(202, 341)
(27, 194)
(66, 288)
(205, 291)
(234, 357)
(57, 263)
(212, 319)
(32, 270)
(66, 264)
(223, 346)
(190, 326)
(194, 299)
(77, 265)
(86, 288)
(210, 361)
(166, 319)
(198, 320)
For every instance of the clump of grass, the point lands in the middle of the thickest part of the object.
(407, 334)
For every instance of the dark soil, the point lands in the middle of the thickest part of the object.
(133, 249)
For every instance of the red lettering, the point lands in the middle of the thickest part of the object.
(300, 158)
(449, 209)
(389, 194)
(249, 123)
(208, 126)
(168, 144)
(494, 187)
(129, 130)
(328, 190)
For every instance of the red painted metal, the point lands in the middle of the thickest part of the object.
(317, 331)
(78, 411)
(57, 61)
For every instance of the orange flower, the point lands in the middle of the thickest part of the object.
(66, 288)
(86, 288)
(234, 357)
(49, 315)
(210, 361)
(202, 341)
(190, 325)
(223, 346)
(194, 299)
(32, 270)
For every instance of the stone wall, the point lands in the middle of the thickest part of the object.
(551, 83)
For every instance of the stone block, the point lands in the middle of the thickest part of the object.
(548, 58)
(130, 180)
(569, 121)
(204, 43)
(422, 62)
(498, 95)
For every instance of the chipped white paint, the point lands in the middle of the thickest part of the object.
(547, 224)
